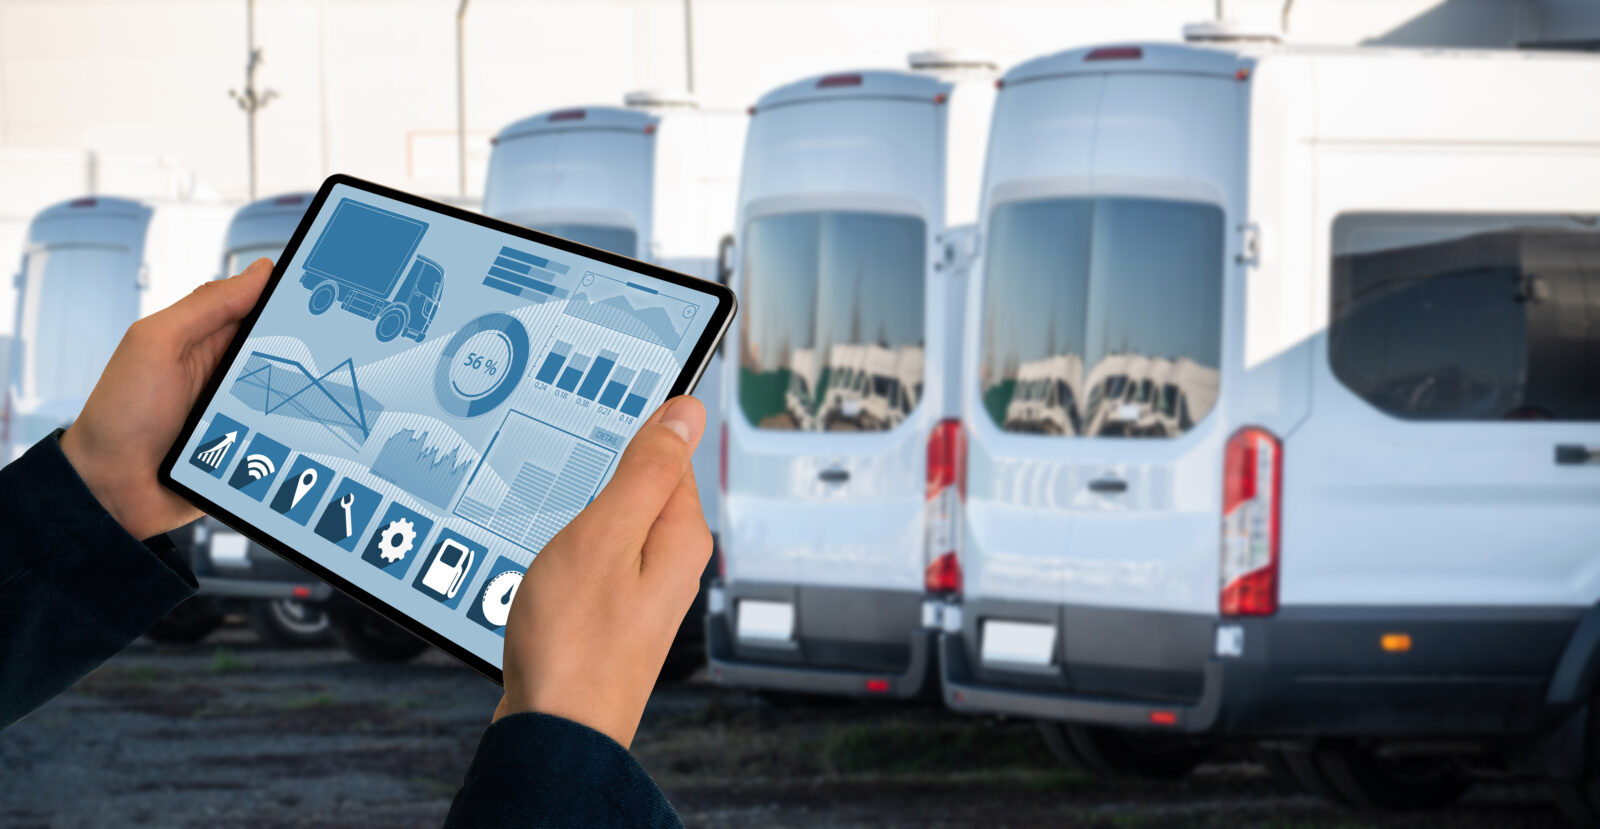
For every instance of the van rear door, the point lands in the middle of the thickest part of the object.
(1096, 433)
(828, 425)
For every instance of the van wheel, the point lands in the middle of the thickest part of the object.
(1580, 799)
(187, 623)
(391, 322)
(372, 638)
(1060, 745)
(322, 297)
(288, 622)
(1277, 766)
(1124, 753)
(1363, 778)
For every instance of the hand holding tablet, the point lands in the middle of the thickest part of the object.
(424, 398)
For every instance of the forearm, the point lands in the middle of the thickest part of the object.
(539, 770)
(75, 587)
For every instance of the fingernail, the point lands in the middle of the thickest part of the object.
(263, 262)
(684, 418)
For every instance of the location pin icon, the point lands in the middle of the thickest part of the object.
(308, 479)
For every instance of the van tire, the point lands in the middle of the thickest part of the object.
(1277, 766)
(391, 322)
(1123, 753)
(322, 297)
(1579, 798)
(1367, 780)
(1304, 768)
(1056, 739)
(288, 623)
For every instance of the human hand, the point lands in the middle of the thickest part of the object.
(599, 607)
(147, 389)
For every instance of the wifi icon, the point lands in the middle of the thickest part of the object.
(258, 467)
(263, 458)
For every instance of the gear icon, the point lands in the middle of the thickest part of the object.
(396, 539)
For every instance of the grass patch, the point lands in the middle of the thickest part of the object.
(223, 661)
(908, 748)
(312, 701)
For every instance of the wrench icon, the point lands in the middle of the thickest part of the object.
(345, 502)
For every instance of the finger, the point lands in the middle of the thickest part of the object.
(216, 304)
(655, 460)
(679, 543)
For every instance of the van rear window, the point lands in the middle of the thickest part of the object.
(1468, 317)
(619, 240)
(1102, 317)
(831, 332)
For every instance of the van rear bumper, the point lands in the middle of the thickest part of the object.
(806, 666)
(1470, 672)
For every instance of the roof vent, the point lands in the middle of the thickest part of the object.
(660, 99)
(1232, 31)
(952, 61)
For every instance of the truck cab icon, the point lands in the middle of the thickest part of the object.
(358, 261)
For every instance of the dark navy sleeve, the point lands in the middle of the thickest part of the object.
(75, 587)
(539, 770)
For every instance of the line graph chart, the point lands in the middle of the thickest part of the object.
(632, 309)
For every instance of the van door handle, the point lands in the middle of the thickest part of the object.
(834, 475)
(1108, 485)
(1573, 454)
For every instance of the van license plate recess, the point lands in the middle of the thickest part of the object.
(229, 549)
(1018, 643)
(765, 620)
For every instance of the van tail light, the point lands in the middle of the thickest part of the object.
(947, 488)
(1252, 488)
(1115, 53)
(568, 115)
(836, 81)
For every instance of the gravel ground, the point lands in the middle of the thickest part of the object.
(233, 733)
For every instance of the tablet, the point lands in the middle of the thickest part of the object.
(424, 396)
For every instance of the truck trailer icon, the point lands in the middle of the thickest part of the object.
(358, 261)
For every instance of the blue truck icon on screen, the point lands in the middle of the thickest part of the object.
(358, 261)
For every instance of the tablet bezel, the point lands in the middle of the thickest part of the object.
(683, 383)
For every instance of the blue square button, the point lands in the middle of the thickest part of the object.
(301, 489)
(347, 513)
(449, 567)
(222, 439)
(492, 606)
(398, 535)
(263, 460)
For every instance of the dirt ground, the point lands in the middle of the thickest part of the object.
(233, 733)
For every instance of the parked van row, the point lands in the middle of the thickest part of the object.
(1165, 394)
(1261, 405)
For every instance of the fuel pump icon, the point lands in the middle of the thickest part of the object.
(448, 570)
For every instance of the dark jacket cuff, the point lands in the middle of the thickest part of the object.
(538, 770)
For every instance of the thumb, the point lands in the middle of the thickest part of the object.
(650, 469)
(215, 304)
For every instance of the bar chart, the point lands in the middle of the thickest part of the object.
(526, 275)
(598, 378)
(532, 480)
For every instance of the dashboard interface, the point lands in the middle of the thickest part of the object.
(424, 402)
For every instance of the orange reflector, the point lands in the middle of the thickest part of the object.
(1395, 642)
(1163, 718)
(877, 686)
(301, 591)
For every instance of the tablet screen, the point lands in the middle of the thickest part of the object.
(424, 402)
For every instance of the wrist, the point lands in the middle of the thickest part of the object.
(102, 483)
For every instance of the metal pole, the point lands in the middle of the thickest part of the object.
(250, 83)
(250, 99)
(461, 97)
(688, 44)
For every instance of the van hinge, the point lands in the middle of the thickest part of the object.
(1249, 244)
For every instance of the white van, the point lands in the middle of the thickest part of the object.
(855, 205)
(79, 287)
(654, 180)
(1317, 455)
